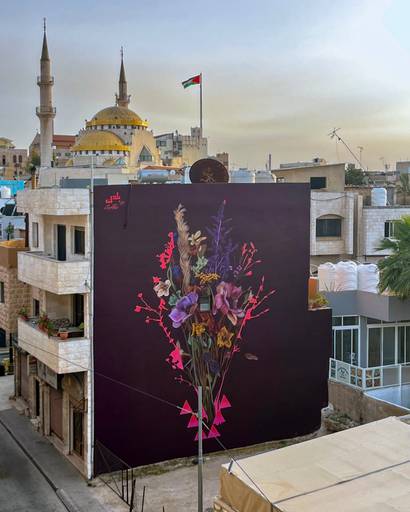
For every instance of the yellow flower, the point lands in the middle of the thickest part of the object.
(207, 278)
(198, 329)
(224, 338)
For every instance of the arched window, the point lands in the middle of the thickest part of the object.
(329, 226)
(14, 159)
(4, 160)
(20, 159)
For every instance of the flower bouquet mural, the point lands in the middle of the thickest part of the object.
(206, 296)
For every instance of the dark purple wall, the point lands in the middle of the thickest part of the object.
(279, 395)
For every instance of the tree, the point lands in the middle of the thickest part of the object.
(403, 187)
(395, 269)
(354, 176)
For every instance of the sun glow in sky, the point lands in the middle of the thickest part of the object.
(278, 75)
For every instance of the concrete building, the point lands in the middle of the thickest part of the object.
(13, 162)
(179, 150)
(378, 223)
(52, 350)
(61, 145)
(371, 354)
(14, 295)
(321, 175)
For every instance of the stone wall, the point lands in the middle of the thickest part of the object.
(359, 406)
(56, 201)
(16, 297)
(374, 218)
(328, 204)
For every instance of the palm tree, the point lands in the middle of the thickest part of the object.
(403, 187)
(395, 269)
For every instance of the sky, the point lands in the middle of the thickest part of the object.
(278, 75)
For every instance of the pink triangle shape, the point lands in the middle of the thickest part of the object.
(224, 403)
(186, 408)
(204, 415)
(203, 436)
(219, 419)
(193, 422)
(213, 432)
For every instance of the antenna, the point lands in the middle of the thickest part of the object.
(44, 24)
(333, 134)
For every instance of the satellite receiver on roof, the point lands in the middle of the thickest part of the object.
(208, 170)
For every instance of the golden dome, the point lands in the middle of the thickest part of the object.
(116, 116)
(99, 140)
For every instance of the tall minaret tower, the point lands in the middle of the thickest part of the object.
(45, 112)
(122, 98)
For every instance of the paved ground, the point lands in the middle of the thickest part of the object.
(6, 390)
(22, 486)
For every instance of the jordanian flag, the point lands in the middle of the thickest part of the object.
(195, 80)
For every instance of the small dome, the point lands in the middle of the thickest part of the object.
(99, 140)
(116, 115)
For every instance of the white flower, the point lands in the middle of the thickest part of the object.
(162, 288)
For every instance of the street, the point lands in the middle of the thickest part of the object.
(22, 486)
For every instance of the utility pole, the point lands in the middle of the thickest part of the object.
(200, 452)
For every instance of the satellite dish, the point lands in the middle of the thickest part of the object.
(208, 170)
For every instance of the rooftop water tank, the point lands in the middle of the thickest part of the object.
(379, 196)
(368, 278)
(5, 192)
(242, 176)
(345, 276)
(326, 274)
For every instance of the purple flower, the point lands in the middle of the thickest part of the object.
(183, 309)
(226, 301)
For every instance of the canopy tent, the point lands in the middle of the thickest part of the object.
(363, 469)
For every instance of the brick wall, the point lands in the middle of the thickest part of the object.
(16, 296)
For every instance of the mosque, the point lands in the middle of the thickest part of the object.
(116, 141)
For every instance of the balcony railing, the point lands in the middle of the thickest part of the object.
(68, 356)
(45, 110)
(40, 81)
(59, 277)
(369, 378)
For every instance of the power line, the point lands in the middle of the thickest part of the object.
(157, 398)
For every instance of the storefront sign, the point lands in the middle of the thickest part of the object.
(47, 374)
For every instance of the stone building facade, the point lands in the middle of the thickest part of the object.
(14, 295)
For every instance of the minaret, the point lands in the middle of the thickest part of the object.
(122, 98)
(45, 112)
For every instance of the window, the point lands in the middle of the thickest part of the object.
(3, 160)
(35, 234)
(14, 159)
(20, 159)
(389, 228)
(317, 183)
(2, 292)
(79, 240)
(328, 228)
(346, 339)
(145, 155)
(375, 343)
(36, 308)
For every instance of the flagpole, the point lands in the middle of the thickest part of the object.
(200, 112)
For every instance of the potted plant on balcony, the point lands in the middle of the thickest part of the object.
(23, 314)
(63, 333)
(318, 302)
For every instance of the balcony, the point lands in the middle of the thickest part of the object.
(46, 111)
(40, 81)
(70, 356)
(54, 201)
(47, 273)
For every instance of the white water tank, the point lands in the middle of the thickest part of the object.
(379, 196)
(242, 176)
(368, 278)
(5, 192)
(326, 275)
(264, 177)
(345, 276)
